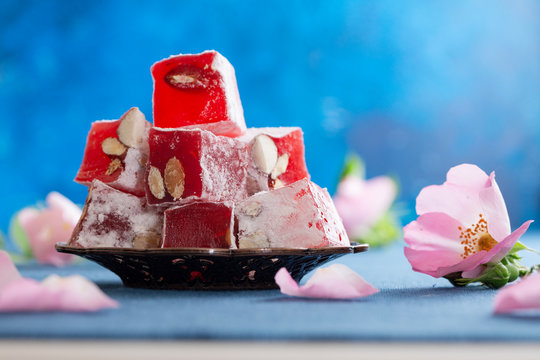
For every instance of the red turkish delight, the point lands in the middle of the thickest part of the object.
(116, 152)
(276, 157)
(299, 215)
(194, 164)
(199, 224)
(197, 91)
(112, 218)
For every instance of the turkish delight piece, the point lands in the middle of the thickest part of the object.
(276, 157)
(116, 153)
(194, 164)
(197, 91)
(199, 224)
(112, 218)
(299, 215)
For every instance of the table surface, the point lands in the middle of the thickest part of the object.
(409, 307)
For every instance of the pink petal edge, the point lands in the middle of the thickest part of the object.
(523, 295)
(334, 282)
(73, 293)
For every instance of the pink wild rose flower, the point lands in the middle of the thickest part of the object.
(45, 227)
(462, 228)
(361, 203)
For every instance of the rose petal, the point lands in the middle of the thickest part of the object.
(458, 196)
(523, 295)
(334, 282)
(8, 271)
(495, 210)
(73, 293)
(439, 262)
(44, 230)
(468, 175)
(361, 203)
(71, 213)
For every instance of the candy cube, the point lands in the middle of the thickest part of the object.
(199, 224)
(299, 215)
(112, 218)
(276, 157)
(116, 153)
(194, 164)
(197, 91)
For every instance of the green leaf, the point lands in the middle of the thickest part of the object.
(518, 247)
(384, 232)
(19, 237)
(353, 166)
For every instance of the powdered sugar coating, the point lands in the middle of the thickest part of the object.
(300, 215)
(112, 218)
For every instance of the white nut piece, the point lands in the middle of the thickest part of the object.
(281, 166)
(132, 128)
(252, 208)
(155, 183)
(256, 239)
(174, 178)
(264, 153)
(111, 146)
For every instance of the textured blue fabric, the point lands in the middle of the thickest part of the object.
(410, 306)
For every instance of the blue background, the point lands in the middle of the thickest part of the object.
(414, 87)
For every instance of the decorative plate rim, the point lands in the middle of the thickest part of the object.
(353, 249)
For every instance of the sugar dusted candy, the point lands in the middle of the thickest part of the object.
(199, 224)
(299, 215)
(194, 164)
(112, 218)
(116, 153)
(197, 91)
(276, 157)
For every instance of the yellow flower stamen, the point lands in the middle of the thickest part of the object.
(476, 238)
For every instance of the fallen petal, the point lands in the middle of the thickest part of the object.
(8, 271)
(72, 293)
(524, 295)
(334, 282)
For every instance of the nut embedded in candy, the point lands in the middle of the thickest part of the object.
(112, 218)
(174, 178)
(264, 153)
(197, 91)
(300, 214)
(110, 157)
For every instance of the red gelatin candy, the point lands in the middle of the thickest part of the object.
(198, 224)
(194, 164)
(276, 157)
(299, 215)
(116, 152)
(197, 91)
(112, 218)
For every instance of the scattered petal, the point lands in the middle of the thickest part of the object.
(334, 282)
(8, 271)
(73, 293)
(523, 295)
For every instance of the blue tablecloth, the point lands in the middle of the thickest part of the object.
(410, 306)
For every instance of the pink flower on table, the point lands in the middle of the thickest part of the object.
(334, 282)
(463, 225)
(524, 295)
(72, 293)
(361, 203)
(45, 227)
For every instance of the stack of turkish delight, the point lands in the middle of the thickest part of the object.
(198, 177)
